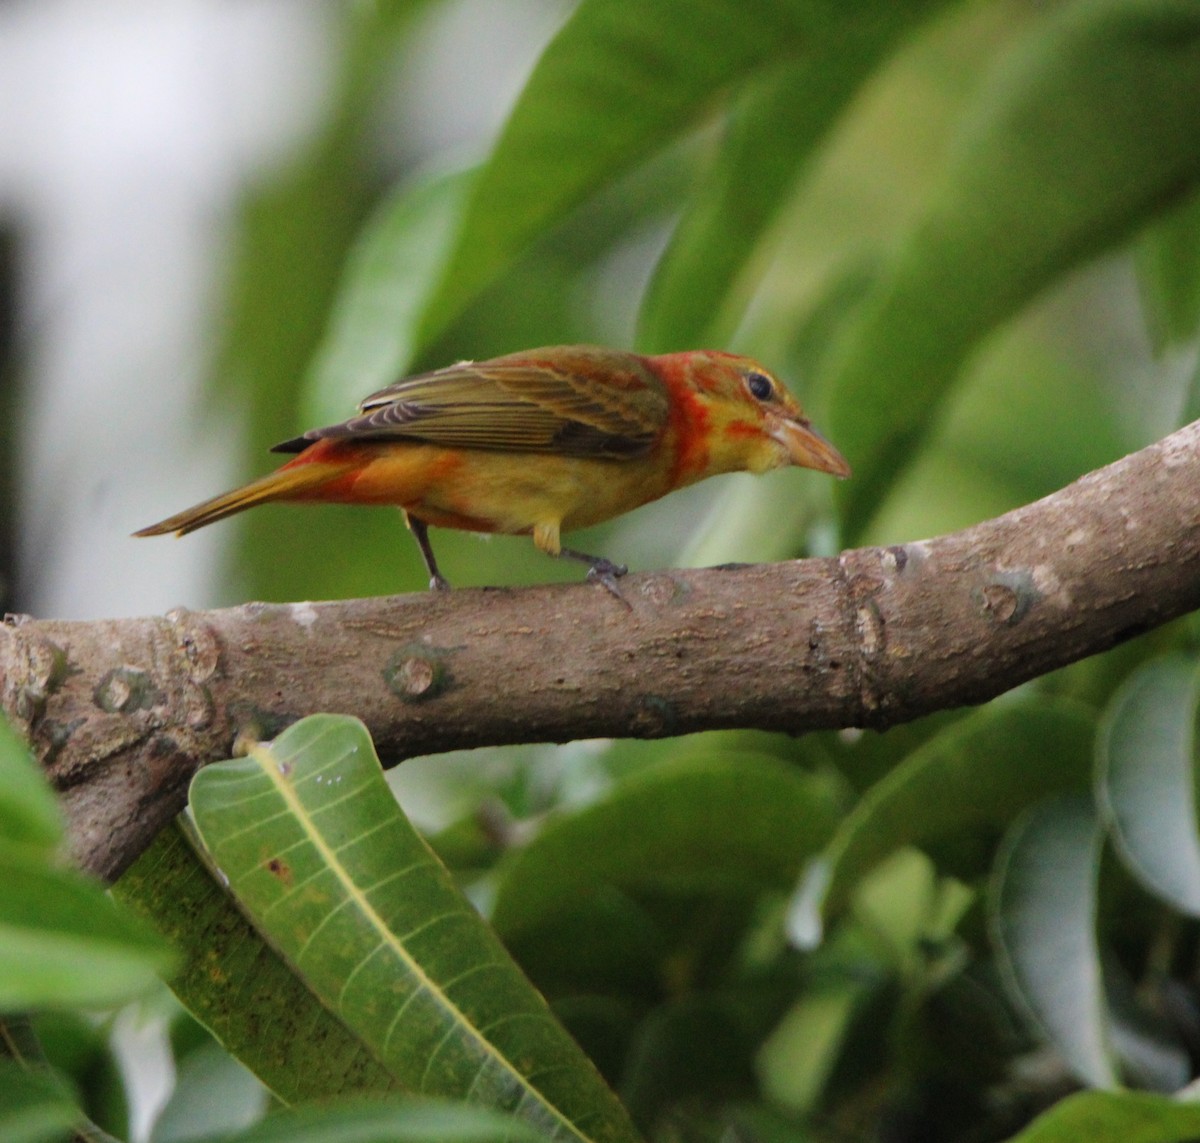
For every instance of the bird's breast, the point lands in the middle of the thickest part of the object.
(484, 491)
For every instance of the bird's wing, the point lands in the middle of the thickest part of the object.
(574, 402)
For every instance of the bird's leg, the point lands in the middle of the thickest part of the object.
(420, 531)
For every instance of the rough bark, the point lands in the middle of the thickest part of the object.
(123, 712)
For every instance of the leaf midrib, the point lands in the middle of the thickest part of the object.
(287, 791)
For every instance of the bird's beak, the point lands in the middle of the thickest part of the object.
(807, 448)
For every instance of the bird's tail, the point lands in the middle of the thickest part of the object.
(288, 483)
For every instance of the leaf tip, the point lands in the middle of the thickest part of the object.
(804, 923)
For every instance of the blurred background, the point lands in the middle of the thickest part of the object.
(136, 142)
(965, 245)
(180, 190)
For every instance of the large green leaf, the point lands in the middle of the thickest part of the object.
(63, 944)
(974, 775)
(1145, 778)
(774, 128)
(319, 854)
(1043, 917)
(237, 986)
(29, 815)
(1115, 1117)
(1082, 131)
(731, 824)
(619, 80)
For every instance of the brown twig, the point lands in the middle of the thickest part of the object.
(123, 712)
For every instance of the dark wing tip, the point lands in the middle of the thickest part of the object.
(296, 444)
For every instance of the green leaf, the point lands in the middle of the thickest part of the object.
(236, 985)
(975, 774)
(795, 1062)
(1081, 132)
(774, 128)
(63, 943)
(1168, 265)
(411, 1121)
(620, 80)
(728, 825)
(82, 1051)
(29, 814)
(1114, 1117)
(34, 1108)
(1145, 778)
(1043, 918)
(908, 909)
(370, 341)
(318, 853)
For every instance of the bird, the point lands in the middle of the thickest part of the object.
(539, 443)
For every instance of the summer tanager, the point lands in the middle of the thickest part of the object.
(540, 443)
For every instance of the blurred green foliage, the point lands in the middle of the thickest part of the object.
(969, 235)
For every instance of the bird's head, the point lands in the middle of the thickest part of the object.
(745, 416)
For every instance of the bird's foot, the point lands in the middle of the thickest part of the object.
(438, 582)
(600, 570)
(606, 573)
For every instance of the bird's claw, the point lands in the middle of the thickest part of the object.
(439, 582)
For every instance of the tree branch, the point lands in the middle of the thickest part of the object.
(123, 712)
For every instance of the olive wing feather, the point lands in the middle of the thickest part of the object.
(572, 401)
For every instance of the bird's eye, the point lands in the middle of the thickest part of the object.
(760, 386)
